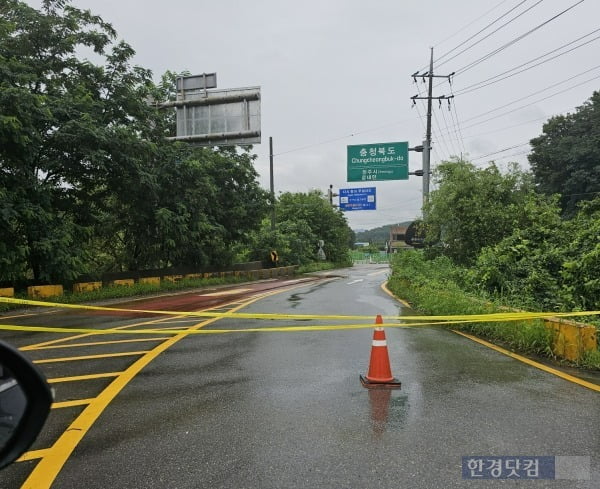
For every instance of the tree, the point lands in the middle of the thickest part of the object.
(473, 208)
(580, 273)
(526, 266)
(566, 157)
(87, 179)
(67, 127)
(302, 220)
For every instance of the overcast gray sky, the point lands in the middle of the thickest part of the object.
(338, 72)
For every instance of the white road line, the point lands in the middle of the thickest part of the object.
(355, 281)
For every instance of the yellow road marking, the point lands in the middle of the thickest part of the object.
(34, 455)
(76, 378)
(533, 363)
(225, 292)
(27, 314)
(520, 358)
(91, 357)
(153, 321)
(68, 338)
(46, 471)
(97, 343)
(66, 404)
(389, 292)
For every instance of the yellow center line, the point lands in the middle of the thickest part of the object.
(52, 461)
(66, 404)
(91, 357)
(75, 378)
(34, 454)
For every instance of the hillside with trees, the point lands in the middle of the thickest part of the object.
(379, 235)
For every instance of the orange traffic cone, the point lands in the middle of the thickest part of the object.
(380, 373)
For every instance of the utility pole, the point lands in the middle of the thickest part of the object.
(427, 143)
(331, 195)
(272, 184)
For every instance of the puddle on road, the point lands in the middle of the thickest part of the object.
(298, 297)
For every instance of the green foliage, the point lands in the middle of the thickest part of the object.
(302, 220)
(580, 273)
(65, 122)
(435, 287)
(372, 249)
(524, 268)
(565, 156)
(473, 208)
(547, 263)
(88, 182)
(186, 207)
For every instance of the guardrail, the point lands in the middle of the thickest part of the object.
(45, 291)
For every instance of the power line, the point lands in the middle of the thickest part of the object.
(471, 136)
(532, 94)
(517, 39)
(490, 34)
(496, 78)
(469, 25)
(533, 103)
(434, 149)
(500, 151)
(308, 146)
(442, 140)
(451, 139)
(457, 128)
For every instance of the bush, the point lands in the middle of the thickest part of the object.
(433, 287)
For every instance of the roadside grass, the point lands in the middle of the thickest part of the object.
(433, 287)
(591, 360)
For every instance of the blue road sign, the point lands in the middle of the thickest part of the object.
(357, 199)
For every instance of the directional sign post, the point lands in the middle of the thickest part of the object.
(357, 199)
(375, 162)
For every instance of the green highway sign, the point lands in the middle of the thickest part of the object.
(380, 161)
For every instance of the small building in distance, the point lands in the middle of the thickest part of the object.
(397, 236)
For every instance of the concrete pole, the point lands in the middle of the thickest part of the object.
(272, 183)
(427, 142)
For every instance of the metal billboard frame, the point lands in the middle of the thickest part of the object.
(216, 117)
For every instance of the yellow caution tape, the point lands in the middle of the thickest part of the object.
(493, 317)
(283, 329)
(280, 329)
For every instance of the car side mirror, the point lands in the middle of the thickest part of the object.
(25, 400)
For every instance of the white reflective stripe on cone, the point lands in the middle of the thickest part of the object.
(379, 343)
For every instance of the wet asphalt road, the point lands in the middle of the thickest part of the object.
(286, 410)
